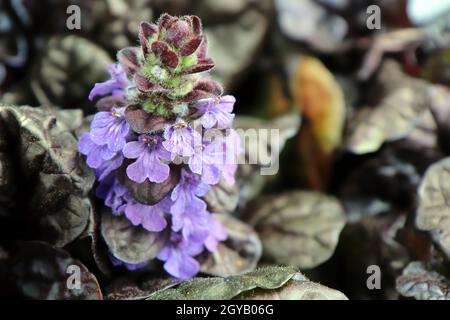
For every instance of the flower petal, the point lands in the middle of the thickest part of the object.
(85, 144)
(208, 120)
(136, 171)
(155, 170)
(182, 266)
(133, 149)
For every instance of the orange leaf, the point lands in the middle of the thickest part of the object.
(321, 100)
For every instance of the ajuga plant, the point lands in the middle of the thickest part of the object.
(162, 138)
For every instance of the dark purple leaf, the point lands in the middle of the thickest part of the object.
(189, 47)
(203, 49)
(202, 65)
(195, 95)
(148, 192)
(127, 57)
(159, 47)
(65, 71)
(178, 32)
(222, 197)
(35, 270)
(238, 254)
(129, 243)
(106, 103)
(167, 56)
(165, 21)
(209, 85)
(146, 30)
(170, 58)
(54, 181)
(196, 24)
(143, 122)
(144, 85)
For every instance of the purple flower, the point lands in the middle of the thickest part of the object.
(97, 155)
(186, 194)
(189, 211)
(229, 172)
(180, 139)
(145, 145)
(193, 223)
(110, 128)
(208, 161)
(216, 111)
(217, 233)
(232, 150)
(129, 266)
(150, 217)
(109, 166)
(149, 152)
(116, 196)
(178, 256)
(115, 86)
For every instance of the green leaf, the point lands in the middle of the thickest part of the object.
(264, 283)
(295, 290)
(138, 287)
(227, 288)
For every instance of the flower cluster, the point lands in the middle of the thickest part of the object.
(161, 138)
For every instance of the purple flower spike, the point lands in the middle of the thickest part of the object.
(208, 161)
(110, 128)
(96, 155)
(217, 233)
(150, 217)
(178, 256)
(216, 111)
(155, 170)
(115, 86)
(180, 139)
(149, 152)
